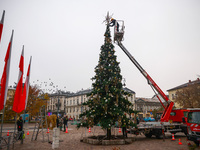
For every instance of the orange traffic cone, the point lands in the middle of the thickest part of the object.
(8, 133)
(173, 139)
(120, 130)
(48, 130)
(188, 143)
(28, 133)
(89, 129)
(66, 130)
(179, 142)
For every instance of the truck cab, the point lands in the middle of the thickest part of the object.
(193, 125)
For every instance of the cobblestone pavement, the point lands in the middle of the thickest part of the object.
(71, 141)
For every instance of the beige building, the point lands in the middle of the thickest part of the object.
(172, 91)
(71, 103)
(145, 106)
(10, 94)
(57, 103)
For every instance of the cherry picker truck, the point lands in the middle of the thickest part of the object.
(164, 125)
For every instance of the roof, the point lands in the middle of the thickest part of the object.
(185, 85)
(160, 97)
(61, 93)
(149, 100)
(128, 90)
(82, 92)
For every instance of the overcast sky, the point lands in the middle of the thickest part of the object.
(64, 39)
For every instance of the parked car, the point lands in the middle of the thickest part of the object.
(148, 119)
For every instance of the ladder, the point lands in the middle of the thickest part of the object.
(39, 125)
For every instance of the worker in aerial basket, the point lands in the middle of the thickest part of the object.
(113, 22)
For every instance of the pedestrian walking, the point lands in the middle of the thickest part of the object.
(58, 121)
(20, 127)
(65, 122)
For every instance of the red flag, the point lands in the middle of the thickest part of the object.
(23, 100)
(5, 75)
(1, 24)
(18, 92)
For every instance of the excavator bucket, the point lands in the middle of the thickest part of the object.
(166, 113)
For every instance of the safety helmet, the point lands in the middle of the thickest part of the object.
(112, 19)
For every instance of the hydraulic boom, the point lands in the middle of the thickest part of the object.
(118, 37)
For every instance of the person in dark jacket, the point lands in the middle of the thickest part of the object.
(20, 127)
(65, 121)
(113, 22)
(58, 122)
(20, 124)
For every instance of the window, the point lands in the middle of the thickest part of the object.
(74, 102)
(173, 96)
(185, 113)
(77, 101)
(194, 117)
(74, 109)
(173, 114)
(77, 109)
(70, 102)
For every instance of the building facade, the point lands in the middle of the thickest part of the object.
(145, 106)
(57, 103)
(70, 104)
(172, 91)
(10, 95)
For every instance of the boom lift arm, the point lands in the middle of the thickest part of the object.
(118, 36)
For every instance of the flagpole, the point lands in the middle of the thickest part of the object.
(14, 129)
(15, 123)
(2, 120)
(7, 79)
(23, 124)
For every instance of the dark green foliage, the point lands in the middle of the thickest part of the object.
(107, 102)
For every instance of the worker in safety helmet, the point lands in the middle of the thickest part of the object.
(113, 22)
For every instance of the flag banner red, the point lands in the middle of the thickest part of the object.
(1, 24)
(24, 99)
(5, 75)
(18, 92)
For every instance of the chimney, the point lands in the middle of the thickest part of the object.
(189, 81)
(197, 79)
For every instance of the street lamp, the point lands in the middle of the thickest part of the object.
(58, 104)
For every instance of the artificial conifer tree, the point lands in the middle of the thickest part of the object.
(108, 102)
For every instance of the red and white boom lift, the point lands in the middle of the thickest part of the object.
(118, 37)
(164, 124)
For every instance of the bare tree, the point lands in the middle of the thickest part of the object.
(189, 97)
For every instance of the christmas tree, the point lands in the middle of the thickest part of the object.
(108, 102)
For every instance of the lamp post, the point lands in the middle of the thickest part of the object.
(58, 104)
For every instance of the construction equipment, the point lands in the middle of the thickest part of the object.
(193, 125)
(118, 37)
(155, 128)
(39, 125)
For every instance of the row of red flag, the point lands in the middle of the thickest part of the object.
(21, 94)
